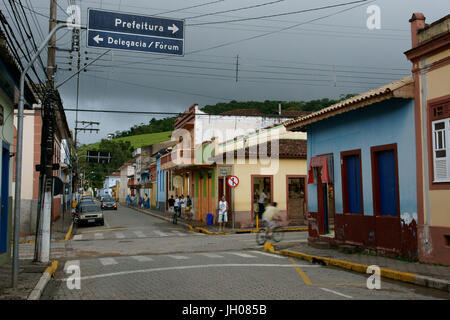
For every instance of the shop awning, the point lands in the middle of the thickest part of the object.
(316, 162)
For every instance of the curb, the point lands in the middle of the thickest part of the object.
(406, 277)
(45, 278)
(205, 231)
(69, 233)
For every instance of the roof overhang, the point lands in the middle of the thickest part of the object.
(403, 88)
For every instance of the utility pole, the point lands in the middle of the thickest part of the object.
(237, 68)
(44, 214)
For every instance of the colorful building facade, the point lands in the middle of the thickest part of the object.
(430, 58)
(361, 171)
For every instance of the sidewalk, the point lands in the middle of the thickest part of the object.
(200, 226)
(30, 273)
(428, 275)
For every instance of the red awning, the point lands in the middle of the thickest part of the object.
(319, 161)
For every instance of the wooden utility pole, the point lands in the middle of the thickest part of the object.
(51, 56)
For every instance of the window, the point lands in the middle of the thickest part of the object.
(441, 150)
(352, 182)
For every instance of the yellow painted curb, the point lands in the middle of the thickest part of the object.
(69, 233)
(269, 247)
(25, 242)
(52, 269)
(361, 268)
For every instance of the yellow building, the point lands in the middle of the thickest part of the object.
(271, 160)
(430, 56)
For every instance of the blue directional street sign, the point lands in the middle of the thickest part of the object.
(124, 31)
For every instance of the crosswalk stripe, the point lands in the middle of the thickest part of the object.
(98, 235)
(243, 255)
(269, 254)
(139, 234)
(142, 258)
(78, 237)
(119, 235)
(71, 263)
(107, 261)
(160, 233)
(178, 233)
(211, 255)
(178, 257)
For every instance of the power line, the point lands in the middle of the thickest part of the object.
(279, 14)
(237, 9)
(196, 6)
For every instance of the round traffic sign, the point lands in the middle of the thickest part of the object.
(233, 181)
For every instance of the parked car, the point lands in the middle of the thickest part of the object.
(89, 213)
(108, 203)
(84, 200)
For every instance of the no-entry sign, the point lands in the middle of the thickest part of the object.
(233, 181)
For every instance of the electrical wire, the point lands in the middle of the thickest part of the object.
(237, 9)
(278, 14)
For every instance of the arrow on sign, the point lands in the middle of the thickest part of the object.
(173, 28)
(97, 38)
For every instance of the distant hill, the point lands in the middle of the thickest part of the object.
(136, 141)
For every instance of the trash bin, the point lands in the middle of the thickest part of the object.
(209, 219)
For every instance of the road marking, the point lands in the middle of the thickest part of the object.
(142, 258)
(98, 235)
(243, 255)
(338, 293)
(121, 273)
(119, 235)
(71, 263)
(139, 234)
(178, 233)
(302, 274)
(211, 255)
(269, 254)
(160, 233)
(107, 261)
(78, 237)
(178, 257)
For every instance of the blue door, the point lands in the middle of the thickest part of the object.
(387, 181)
(353, 166)
(4, 199)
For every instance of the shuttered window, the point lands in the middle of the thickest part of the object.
(441, 149)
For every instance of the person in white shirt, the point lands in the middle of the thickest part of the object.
(223, 218)
(182, 205)
(262, 198)
(177, 205)
(270, 214)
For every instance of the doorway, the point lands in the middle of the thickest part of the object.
(259, 184)
(296, 199)
(225, 190)
(4, 199)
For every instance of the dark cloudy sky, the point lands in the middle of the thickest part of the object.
(320, 59)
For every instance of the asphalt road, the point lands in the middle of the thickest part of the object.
(137, 256)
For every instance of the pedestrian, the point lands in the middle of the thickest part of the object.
(223, 217)
(146, 201)
(128, 200)
(188, 206)
(262, 199)
(177, 204)
(182, 205)
(171, 202)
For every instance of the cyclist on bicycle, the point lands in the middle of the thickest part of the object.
(270, 214)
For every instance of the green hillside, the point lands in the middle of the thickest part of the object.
(136, 141)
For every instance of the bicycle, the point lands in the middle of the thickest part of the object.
(277, 235)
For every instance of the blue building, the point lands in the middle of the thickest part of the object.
(362, 171)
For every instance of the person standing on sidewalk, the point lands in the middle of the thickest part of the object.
(262, 199)
(177, 204)
(223, 218)
(171, 202)
(182, 205)
(128, 200)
